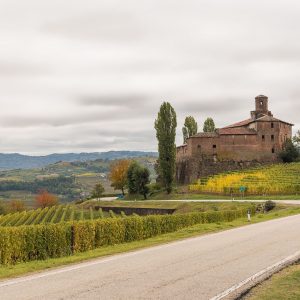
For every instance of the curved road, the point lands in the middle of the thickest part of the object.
(195, 268)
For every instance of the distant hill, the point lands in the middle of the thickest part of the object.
(19, 161)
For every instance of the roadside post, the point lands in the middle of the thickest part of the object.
(249, 215)
(243, 190)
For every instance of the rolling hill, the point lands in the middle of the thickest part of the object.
(12, 161)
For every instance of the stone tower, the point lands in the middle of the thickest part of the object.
(261, 107)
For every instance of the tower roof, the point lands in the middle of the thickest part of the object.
(261, 96)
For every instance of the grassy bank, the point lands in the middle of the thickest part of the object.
(283, 285)
(197, 230)
(181, 207)
(199, 196)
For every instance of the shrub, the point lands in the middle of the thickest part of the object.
(25, 243)
(33, 242)
(269, 205)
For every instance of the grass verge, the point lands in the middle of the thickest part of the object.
(283, 285)
(181, 207)
(197, 230)
(196, 196)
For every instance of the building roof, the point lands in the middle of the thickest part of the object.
(206, 134)
(239, 124)
(271, 119)
(237, 131)
(264, 118)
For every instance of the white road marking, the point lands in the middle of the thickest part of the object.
(291, 258)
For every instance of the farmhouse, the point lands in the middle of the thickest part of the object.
(255, 141)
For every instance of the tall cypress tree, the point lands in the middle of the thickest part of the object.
(209, 125)
(165, 126)
(190, 128)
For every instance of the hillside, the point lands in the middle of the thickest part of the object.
(68, 180)
(277, 179)
(18, 161)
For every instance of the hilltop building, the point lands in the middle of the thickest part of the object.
(255, 141)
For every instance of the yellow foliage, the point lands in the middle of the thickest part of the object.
(274, 179)
(118, 174)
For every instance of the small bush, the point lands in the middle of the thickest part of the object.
(269, 205)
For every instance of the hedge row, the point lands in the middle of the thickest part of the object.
(26, 243)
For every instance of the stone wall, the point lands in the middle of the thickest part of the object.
(191, 169)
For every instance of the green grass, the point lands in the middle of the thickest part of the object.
(181, 207)
(283, 285)
(202, 196)
(197, 230)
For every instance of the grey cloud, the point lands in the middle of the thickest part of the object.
(91, 74)
(113, 100)
(15, 69)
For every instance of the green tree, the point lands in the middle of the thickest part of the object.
(209, 125)
(190, 128)
(142, 179)
(138, 178)
(165, 126)
(290, 152)
(98, 191)
(131, 178)
(296, 138)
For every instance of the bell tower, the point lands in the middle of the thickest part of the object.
(261, 107)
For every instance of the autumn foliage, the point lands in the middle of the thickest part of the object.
(16, 205)
(45, 199)
(118, 174)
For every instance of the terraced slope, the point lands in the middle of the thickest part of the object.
(274, 179)
(51, 215)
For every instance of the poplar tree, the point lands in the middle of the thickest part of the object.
(165, 126)
(190, 128)
(209, 125)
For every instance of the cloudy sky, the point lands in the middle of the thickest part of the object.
(90, 75)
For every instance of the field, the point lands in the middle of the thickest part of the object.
(52, 215)
(280, 179)
(68, 213)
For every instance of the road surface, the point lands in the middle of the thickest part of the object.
(196, 268)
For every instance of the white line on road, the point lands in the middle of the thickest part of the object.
(284, 262)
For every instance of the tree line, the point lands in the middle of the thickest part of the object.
(61, 185)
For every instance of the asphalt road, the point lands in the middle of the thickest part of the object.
(196, 268)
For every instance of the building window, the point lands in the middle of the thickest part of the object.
(272, 137)
(263, 137)
(214, 146)
(261, 103)
(273, 150)
(272, 125)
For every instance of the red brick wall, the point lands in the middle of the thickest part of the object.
(240, 147)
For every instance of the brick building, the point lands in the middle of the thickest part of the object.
(255, 141)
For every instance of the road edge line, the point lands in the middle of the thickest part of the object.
(241, 288)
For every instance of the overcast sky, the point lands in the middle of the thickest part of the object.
(90, 75)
